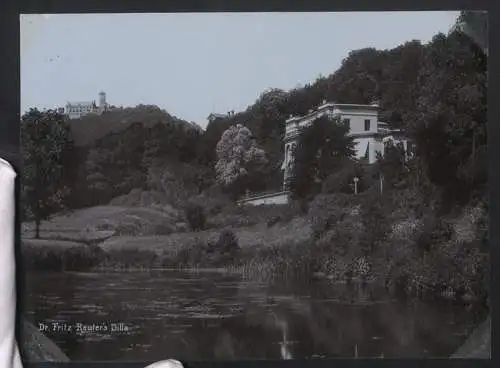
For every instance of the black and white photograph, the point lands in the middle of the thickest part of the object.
(254, 186)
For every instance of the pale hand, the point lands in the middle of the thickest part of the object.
(169, 363)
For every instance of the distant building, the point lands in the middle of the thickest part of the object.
(77, 109)
(215, 116)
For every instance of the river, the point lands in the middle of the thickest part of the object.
(212, 316)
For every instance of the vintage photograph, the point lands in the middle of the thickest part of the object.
(244, 186)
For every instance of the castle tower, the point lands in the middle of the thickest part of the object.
(102, 101)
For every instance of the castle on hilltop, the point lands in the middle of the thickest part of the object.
(77, 109)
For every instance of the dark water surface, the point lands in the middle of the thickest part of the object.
(207, 316)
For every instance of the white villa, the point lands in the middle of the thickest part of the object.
(370, 136)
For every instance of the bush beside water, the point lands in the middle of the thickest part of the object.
(195, 216)
(240, 216)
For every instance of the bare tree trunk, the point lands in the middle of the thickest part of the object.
(37, 228)
(473, 145)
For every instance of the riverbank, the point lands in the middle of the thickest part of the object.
(305, 260)
(392, 240)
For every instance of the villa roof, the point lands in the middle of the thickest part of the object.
(326, 104)
(347, 105)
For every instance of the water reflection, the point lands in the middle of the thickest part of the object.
(150, 316)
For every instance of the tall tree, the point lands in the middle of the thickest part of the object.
(449, 120)
(475, 25)
(238, 157)
(99, 182)
(392, 165)
(45, 139)
(322, 148)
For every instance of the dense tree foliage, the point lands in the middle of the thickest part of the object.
(238, 158)
(92, 127)
(342, 179)
(47, 144)
(321, 149)
(393, 168)
(125, 149)
(475, 25)
(449, 119)
(120, 162)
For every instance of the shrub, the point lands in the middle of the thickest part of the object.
(195, 216)
(273, 221)
(213, 201)
(341, 181)
(161, 229)
(374, 216)
(281, 261)
(78, 258)
(298, 207)
(105, 226)
(232, 216)
(191, 255)
(269, 214)
(326, 210)
(129, 228)
(227, 241)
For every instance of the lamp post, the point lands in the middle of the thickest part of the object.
(355, 179)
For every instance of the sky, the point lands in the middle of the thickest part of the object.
(194, 64)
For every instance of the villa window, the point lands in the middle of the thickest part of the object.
(367, 125)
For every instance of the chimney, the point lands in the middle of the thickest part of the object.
(324, 102)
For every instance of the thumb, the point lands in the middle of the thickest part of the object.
(9, 353)
(169, 363)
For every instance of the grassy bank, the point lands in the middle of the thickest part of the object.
(201, 252)
(306, 260)
(392, 240)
